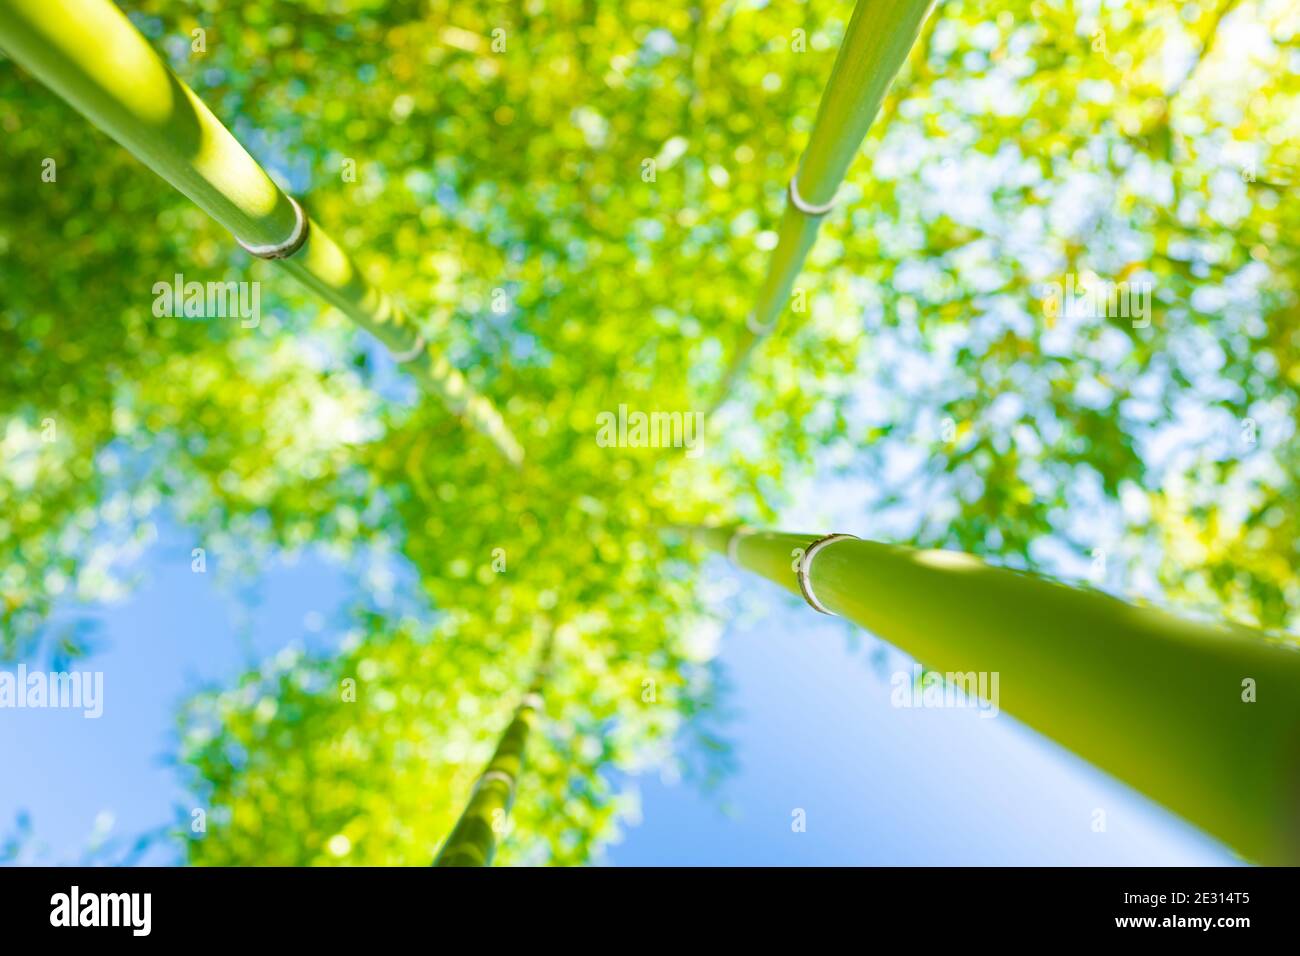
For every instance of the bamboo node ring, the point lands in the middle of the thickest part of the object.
(282, 250)
(492, 775)
(414, 352)
(805, 569)
(803, 205)
(734, 541)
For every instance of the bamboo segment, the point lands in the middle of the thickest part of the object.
(1161, 703)
(879, 37)
(472, 842)
(88, 53)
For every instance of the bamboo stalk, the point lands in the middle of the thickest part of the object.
(879, 37)
(1156, 701)
(472, 842)
(88, 53)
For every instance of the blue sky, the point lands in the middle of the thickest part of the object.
(813, 731)
(881, 785)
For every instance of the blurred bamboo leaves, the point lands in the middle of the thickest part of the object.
(508, 191)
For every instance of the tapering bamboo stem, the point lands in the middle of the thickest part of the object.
(1204, 719)
(472, 842)
(879, 37)
(88, 53)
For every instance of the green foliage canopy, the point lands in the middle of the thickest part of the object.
(505, 194)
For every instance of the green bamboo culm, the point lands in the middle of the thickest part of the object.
(472, 842)
(880, 35)
(88, 53)
(1204, 719)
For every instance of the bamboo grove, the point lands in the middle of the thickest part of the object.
(1203, 718)
(1168, 706)
(131, 94)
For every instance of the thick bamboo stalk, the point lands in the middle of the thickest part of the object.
(1204, 719)
(88, 53)
(879, 37)
(472, 842)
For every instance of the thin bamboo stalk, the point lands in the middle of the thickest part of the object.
(1159, 702)
(879, 37)
(472, 842)
(88, 53)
